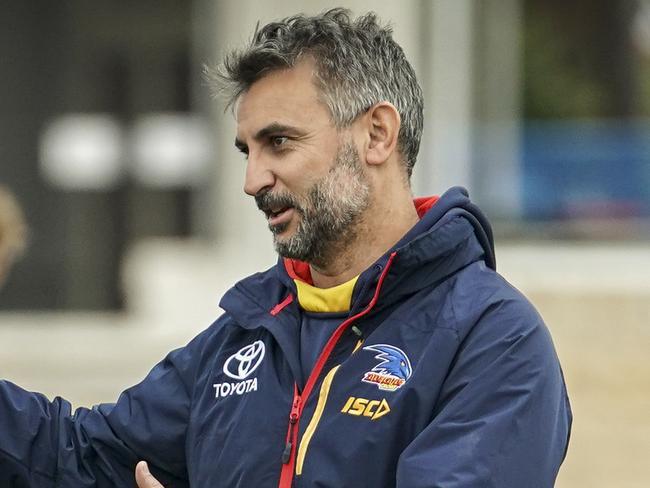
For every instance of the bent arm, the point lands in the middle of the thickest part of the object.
(44, 444)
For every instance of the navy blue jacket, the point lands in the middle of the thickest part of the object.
(443, 376)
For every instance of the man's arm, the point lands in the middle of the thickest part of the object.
(44, 444)
(503, 418)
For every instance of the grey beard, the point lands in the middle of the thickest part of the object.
(330, 217)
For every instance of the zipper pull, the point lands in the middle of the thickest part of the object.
(295, 410)
(286, 454)
(293, 420)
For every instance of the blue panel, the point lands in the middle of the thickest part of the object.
(586, 168)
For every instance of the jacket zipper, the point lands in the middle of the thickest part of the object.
(310, 430)
(299, 400)
(293, 420)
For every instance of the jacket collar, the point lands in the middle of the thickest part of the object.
(451, 234)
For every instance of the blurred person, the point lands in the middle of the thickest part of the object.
(382, 350)
(13, 231)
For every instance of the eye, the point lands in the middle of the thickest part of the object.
(242, 149)
(278, 141)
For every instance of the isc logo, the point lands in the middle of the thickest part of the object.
(368, 408)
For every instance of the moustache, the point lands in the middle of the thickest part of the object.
(268, 201)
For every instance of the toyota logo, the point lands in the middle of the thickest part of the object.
(241, 364)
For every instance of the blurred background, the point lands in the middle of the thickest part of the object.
(130, 185)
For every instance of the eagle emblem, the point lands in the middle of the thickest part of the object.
(393, 370)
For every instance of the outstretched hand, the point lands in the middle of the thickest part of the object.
(144, 478)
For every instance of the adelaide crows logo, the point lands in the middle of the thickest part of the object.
(393, 370)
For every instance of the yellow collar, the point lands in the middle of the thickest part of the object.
(335, 299)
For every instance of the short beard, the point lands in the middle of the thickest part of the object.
(329, 216)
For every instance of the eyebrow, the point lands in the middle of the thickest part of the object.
(272, 128)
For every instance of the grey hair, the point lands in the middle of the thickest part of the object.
(358, 64)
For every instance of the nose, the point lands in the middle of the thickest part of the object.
(258, 176)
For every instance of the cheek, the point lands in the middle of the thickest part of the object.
(299, 182)
(304, 167)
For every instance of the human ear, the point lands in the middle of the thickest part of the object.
(383, 123)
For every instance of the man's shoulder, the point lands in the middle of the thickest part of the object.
(480, 295)
(258, 283)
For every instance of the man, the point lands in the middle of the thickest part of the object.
(12, 232)
(382, 350)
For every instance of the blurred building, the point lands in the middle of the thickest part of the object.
(110, 137)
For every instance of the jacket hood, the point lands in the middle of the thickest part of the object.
(451, 234)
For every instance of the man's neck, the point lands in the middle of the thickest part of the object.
(374, 237)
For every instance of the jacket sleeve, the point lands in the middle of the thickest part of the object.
(44, 444)
(503, 417)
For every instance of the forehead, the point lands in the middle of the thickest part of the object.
(287, 97)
